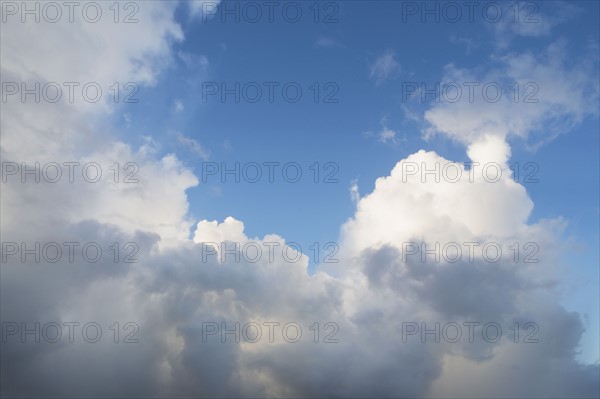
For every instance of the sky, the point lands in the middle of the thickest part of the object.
(300, 199)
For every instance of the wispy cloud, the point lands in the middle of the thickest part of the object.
(386, 135)
(193, 61)
(385, 67)
(178, 106)
(326, 42)
(193, 145)
(467, 42)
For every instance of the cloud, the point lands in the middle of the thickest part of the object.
(193, 61)
(528, 20)
(175, 286)
(326, 42)
(540, 96)
(404, 209)
(194, 146)
(80, 131)
(354, 191)
(178, 106)
(96, 55)
(205, 9)
(469, 43)
(414, 209)
(386, 135)
(385, 67)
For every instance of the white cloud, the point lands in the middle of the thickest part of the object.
(203, 8)
(79, 131)
(412, 209)
(354, 191)
(178, 106)
(385, 67)
(193, 145)
(554, 94)
(96, 54)
(530, 19)
(386, 135)
(172, 289)
(326, 42)
(193, 61)
(230, 229)
(468, 42)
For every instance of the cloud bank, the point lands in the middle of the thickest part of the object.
(175, 293)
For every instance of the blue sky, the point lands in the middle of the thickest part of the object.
(281, 52)
(343, 53)
(358, 123)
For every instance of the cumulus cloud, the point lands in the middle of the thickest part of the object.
(178, 284)
(414, 204)
(97, 56)
(403, 209)
(529, 96)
